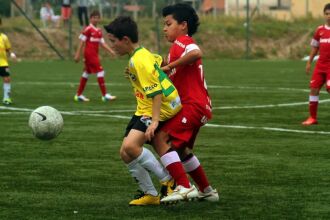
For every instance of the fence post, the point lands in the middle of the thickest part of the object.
(237, 8)
(247, 24)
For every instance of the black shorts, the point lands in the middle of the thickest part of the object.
(140, 123)
(4, 71)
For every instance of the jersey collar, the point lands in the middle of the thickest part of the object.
(140, 47)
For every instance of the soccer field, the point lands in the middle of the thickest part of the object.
(254, 150)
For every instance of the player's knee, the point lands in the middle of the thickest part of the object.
(185, 154)
(129, 149)
(85, 75)
(124, 153)
(6, 79)
(100, 74)
(160, 143)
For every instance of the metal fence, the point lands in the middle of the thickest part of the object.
(281, 9)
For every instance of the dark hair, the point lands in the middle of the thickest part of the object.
(123, 26)
(326, 7)
(183, 12)
(94, 13)
(0, 21)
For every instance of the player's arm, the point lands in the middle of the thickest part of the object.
(150, 83)
(107, 48)
(8, 48)
(79, 49)
(312, 54)
(156, 105)
(11, 54)
(190, 57)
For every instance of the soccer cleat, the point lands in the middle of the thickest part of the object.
(310, 121)
(7, 101)
(212, 196)
(143, 199)
(181, 193)
(81, 98)
(167, 188)
(108, 97)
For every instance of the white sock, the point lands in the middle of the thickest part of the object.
(6, 90)
(150, 163)
(191, 164)
(142, 177)
(313, 98)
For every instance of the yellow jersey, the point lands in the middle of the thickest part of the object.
(149, 80)
(4, 46)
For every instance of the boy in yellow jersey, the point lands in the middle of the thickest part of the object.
(4, 66)
(157, 101)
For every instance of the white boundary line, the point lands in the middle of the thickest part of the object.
(67, 83)
(261, 88)
(209, 86)
(267, 129)
(84, 113)
(268, 106)
(214, 108)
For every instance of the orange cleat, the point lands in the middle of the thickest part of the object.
(310, 121)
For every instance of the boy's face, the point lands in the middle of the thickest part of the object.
(327, 16)
(172, 29)
(119, 46)
(95, 20)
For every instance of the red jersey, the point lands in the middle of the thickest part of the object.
(321, 39)
(92, 36)
(188, 79)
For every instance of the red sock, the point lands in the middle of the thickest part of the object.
(313, 109)
(197, 173)
(176, 170)
(174, 166)
(199, 177)
(102, 85)
(82, 85)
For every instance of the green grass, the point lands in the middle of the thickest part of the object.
(261, 174)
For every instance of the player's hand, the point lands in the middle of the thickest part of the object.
(164, 63)
(166, 69)
(126, 73)
(308, 67)
(150, 132)
(13, 56)
(112, 53)
(76, 58)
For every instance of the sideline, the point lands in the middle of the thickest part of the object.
(91, 114)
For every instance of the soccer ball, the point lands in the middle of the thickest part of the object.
(46, 123)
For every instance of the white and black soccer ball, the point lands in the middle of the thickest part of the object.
(46, 122)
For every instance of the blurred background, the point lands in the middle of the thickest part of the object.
(233, 29)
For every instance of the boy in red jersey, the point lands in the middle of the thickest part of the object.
(321, 75)
(90, 39)
(176, 138)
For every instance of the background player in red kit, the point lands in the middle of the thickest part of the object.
(90, 39)
(321, 75)
(176, 138)
(320, 43)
